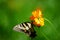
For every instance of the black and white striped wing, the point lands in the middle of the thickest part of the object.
(25, 27)
(22, 27)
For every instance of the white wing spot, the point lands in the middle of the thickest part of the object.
(26, 27)
(21, 27)
(29, 25)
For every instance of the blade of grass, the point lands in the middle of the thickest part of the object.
(52, 25)
(43, 35)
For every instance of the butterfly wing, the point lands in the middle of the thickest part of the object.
(26, 28)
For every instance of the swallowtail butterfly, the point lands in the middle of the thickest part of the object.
(26, 28)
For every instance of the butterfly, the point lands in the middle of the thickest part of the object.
(27, 28)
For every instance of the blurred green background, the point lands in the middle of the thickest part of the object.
(13, 12)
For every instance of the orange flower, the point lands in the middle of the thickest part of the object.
(37, 18)
(37, 13)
